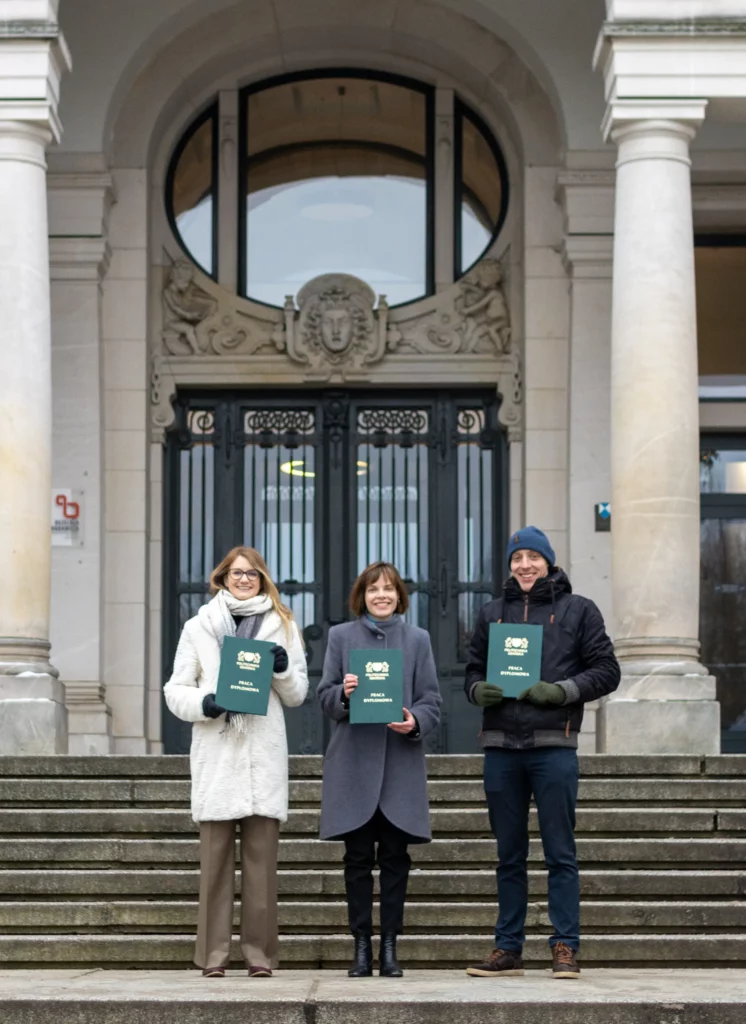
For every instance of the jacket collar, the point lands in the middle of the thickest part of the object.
(380, 627)
(545, 590)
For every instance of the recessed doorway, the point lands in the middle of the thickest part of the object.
(322, 483)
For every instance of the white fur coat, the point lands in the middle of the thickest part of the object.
(235, 773)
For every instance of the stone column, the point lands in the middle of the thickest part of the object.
(588, 259)
(32, 710)
(666, 701)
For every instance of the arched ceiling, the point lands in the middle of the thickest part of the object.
(510, 43)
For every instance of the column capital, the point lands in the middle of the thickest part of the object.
(658, 54)
(653, 118)
(33, 58)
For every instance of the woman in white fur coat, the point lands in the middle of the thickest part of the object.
(239, 763)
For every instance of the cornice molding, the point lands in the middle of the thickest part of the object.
(78, 259)
(675, 27)
(79, 204)
(588, 256)
(80, 180)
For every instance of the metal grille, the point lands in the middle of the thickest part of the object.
(279, 500)
(475, 520)
(392, 466)
(196, 511)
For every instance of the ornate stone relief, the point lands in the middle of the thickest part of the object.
(196, 323)
(334, 330)
(473, 317)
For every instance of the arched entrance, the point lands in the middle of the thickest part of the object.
(457, 339)
(366, 453)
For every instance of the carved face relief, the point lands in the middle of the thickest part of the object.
(181, 275)
(336, 329)
(489, 274)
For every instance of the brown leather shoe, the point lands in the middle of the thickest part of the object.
(260, 972)
(501, 963)
(213, 972)
(564, 964)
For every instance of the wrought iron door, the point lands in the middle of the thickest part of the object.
(322, 484)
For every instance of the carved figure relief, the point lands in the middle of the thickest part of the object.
(482, 305)
(191, 320)
(476, 320)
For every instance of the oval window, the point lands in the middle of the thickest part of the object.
(337, 175)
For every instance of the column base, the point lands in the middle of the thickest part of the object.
(664, 710)
(33, 717)
(89, 719)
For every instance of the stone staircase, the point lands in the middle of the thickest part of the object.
(98, 866)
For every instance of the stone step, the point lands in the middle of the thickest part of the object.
(664, 949)
(94, 852)
(174, 792)
(451, 765)
(331, 915)
(632, 996)
(169, 821)
(732, 820)
(422, 882)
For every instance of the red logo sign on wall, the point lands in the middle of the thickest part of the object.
(66, 530)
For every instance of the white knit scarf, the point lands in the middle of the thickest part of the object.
(217, 615)
(217, 618)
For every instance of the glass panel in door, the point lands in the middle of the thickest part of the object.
(723, 622)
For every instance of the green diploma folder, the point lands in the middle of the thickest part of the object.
(245, 676)
(514, 656)
(379, 694)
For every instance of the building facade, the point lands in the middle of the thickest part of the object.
(348, 281)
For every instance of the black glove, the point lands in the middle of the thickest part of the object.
(487, 695)
(281, 658)
(209, 708)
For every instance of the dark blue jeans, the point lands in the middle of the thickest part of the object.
(510, 778)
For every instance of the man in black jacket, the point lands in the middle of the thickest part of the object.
(530, 745)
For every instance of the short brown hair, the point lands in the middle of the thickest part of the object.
(371, 575)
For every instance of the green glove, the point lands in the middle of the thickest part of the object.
(487, 695)
(544, 694)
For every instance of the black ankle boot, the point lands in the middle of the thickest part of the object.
(387, 957)
(363, 965)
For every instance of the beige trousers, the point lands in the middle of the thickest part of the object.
(217, 859)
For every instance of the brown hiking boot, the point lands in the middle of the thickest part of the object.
(501, 963)
(564, 963)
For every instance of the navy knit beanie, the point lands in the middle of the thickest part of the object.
(530, 538)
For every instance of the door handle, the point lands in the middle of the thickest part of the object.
(443, 589)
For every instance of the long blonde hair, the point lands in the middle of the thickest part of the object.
(255, 560)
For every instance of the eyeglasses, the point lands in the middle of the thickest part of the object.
(238, 574)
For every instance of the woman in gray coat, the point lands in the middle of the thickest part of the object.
(375, 780)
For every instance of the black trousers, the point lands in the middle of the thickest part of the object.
(393, 862)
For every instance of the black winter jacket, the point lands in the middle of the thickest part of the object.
(576, 653)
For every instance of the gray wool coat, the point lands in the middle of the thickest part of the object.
(370, 766)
